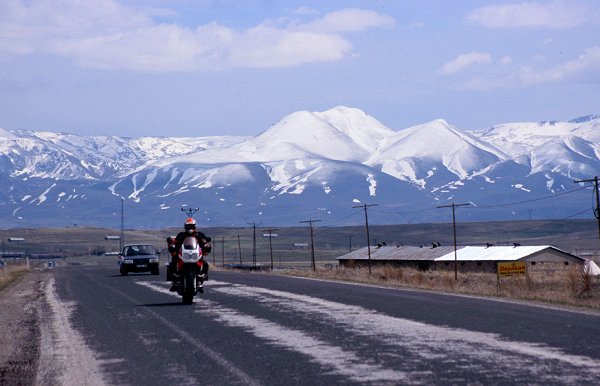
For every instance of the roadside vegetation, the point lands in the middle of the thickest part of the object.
(574, 287)
(11, 272)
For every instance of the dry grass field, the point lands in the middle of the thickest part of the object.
(11, 272)
(573, 287)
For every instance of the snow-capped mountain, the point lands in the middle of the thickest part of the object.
(307, 165)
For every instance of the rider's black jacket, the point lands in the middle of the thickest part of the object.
(201, 237)
(175, 245)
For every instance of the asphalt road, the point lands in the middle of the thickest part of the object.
(253, 328)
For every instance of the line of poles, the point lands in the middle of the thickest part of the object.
(364, 207)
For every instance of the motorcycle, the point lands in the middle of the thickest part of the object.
(189, 270)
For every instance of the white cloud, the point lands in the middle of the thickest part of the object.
(265, 47)
(305, 11)
(589, 61)
(416, 25)
(503, 74)
(349, 20)
(464, 61)
(106, 34)
(555, 14)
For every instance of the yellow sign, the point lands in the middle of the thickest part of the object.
(514, 268)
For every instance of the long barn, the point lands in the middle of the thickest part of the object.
(541, 258)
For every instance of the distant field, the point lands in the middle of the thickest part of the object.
(576, 236)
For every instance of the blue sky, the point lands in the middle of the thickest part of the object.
(235, 67)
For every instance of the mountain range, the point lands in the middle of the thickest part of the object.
(308, 166)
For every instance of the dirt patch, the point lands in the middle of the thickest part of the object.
(20, 328)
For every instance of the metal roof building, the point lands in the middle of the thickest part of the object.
(471, 258)
(394, 253)
(503, 253)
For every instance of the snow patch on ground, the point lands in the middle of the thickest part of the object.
(63, 351)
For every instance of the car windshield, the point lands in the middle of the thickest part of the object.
(134, 250)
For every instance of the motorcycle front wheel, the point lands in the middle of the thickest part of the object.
(189, 288)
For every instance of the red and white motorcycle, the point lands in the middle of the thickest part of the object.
(189, 270)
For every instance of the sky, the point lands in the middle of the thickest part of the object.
(235, 67)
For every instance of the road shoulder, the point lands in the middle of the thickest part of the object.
(20, 312)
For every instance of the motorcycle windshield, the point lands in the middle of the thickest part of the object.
(190, 243)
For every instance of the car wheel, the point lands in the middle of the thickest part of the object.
(155, 271)
(123, 272)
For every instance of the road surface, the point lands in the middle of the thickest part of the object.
(260, 329)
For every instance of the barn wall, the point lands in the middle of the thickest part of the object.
(544, 262)
(550, 255)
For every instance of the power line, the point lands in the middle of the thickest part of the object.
(498, 205)
(597, 210)
(552, 222)
(526, 201)
(339, 219)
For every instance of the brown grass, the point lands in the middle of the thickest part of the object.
(574, 287)
(11, 272)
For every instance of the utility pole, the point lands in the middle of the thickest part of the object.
(122, 227)
(365, 206)
(239, 250)
(222, 251)
(597, 210)
(312, 244)
(453, 206)
(271, 244)
(253, 243)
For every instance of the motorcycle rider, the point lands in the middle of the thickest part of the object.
(175, 245)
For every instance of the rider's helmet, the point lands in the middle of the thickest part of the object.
(190, 225)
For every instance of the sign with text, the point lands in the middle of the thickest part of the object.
(511, 269)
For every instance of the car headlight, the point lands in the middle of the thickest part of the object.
(128, 261)
(154, 260)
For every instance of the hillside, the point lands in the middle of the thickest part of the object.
(307, 165)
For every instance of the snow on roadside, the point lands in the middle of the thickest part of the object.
(63, 352)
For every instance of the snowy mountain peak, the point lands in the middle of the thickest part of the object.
(365, 130)
(316, 163)
(587, 118)
(341, 133)
(7, 135)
